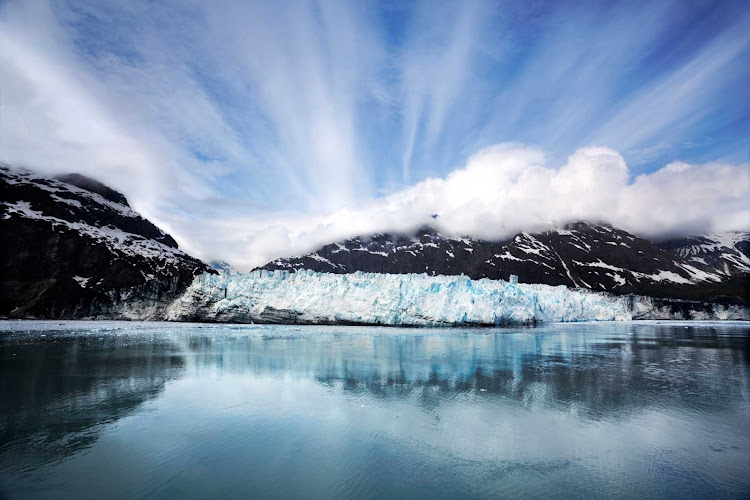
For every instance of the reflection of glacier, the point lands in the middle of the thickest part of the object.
(308, 297)
(598, 369)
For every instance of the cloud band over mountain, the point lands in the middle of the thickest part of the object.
(506, 189)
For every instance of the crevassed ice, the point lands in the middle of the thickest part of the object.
(389, 299)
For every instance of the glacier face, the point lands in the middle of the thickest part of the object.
(309, 297)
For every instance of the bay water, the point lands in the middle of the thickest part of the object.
(164, 410)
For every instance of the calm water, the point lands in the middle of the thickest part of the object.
(110, 410)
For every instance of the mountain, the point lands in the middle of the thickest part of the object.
(221, 266)
(580, 255)
(727, 253)
(72, 247)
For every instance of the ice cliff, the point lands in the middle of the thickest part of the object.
(308, 297)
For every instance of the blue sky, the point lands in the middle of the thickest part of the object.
(256, 122)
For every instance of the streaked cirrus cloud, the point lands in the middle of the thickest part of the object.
(260, 129)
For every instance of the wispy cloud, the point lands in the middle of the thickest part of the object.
(258, 129)
(437, 64)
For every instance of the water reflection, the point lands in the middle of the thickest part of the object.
(57, 389)
(485, 407)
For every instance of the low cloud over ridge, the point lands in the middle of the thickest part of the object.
(502, 190)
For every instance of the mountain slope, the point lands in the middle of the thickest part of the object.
(727, 253)
(580, 255)
(72, 247)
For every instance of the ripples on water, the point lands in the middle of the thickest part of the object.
(106, 409)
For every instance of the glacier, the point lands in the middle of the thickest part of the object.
(308, 297)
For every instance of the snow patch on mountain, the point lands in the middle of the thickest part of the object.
(115, 239)
(725, 251)
(81, 280)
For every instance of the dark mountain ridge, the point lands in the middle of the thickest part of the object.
(72, 247)
(580, 255)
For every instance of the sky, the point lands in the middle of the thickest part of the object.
(254, 130)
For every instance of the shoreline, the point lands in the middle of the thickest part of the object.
(218, 324)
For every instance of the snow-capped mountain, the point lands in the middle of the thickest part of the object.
(581, 255)
(73, 247)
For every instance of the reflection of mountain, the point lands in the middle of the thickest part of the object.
(599, 379)
(596, 372)
(55, 394)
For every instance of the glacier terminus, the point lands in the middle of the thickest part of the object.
(308, 297)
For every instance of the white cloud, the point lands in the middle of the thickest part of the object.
(509, 188)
